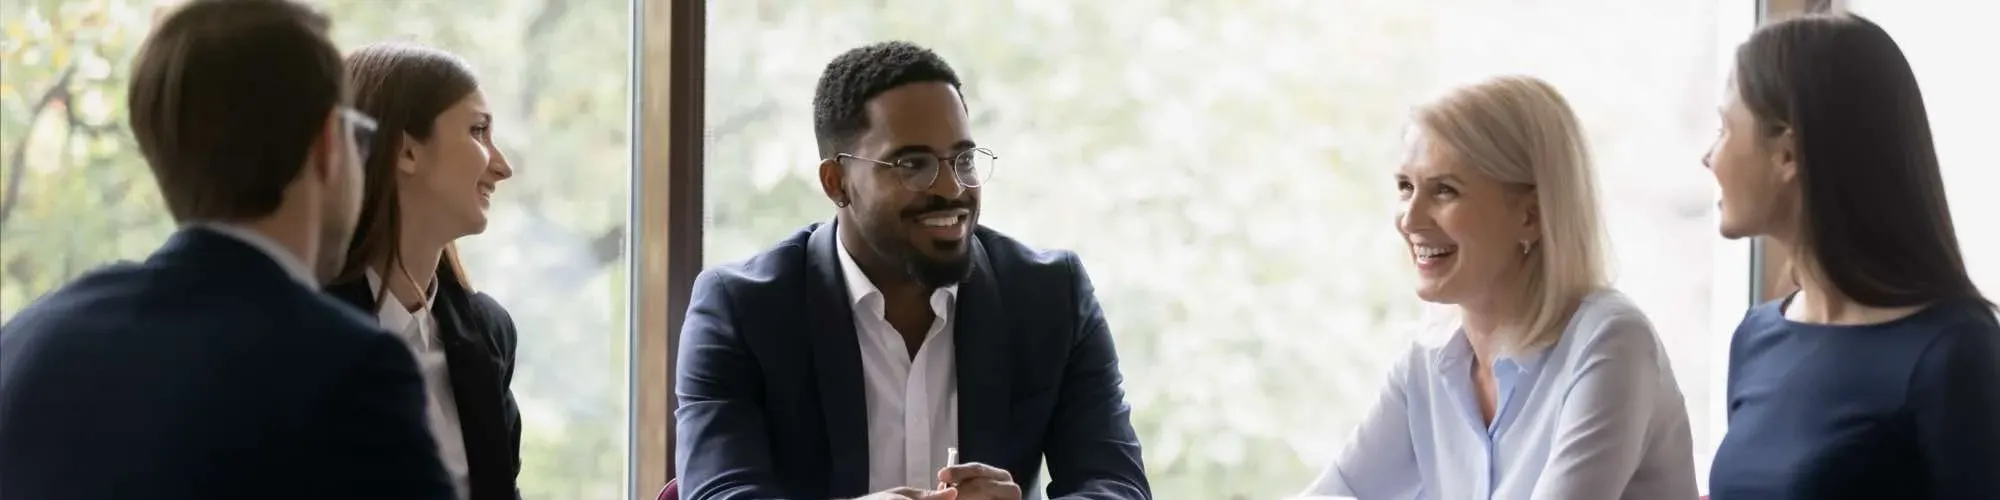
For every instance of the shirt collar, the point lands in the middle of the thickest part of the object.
(862, 293)
(269, 247)
(1457, 354)
(419, 327)
(375, 287)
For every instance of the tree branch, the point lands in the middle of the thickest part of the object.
(17, 160)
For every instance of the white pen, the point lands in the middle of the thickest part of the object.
(950, 459)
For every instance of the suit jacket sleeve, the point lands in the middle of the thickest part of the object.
(1093, 451)
(508, 339)
(722, 451)
(376, 421)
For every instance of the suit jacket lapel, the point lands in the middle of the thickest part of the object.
(837, 364)
(984, 374)
(475, 387)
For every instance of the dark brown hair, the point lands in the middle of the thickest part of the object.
(227, 98)
(405, 87)
(1874, 221)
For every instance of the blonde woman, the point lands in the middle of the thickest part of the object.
(1549, 384)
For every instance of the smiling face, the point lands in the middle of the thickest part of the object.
(449, 179)
(1465, 230)
(923, 231)
(1755, 169)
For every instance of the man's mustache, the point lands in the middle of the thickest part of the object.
(937, 203)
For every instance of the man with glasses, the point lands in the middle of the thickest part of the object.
(902, 349)
(215, 368)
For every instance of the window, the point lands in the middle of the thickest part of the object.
(1952, 56)
(1223, 169)
(74, 192)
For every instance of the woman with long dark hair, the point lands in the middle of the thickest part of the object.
(430, 180)
(1879, 376)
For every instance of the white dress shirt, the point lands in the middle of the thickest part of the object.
(912, 403)
(1597, 416)
(419, 331)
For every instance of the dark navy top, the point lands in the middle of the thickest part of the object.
(1908, 409)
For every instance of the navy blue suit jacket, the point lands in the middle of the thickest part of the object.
(208, 372)
(770, 382)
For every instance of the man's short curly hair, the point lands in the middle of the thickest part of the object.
(840, 101)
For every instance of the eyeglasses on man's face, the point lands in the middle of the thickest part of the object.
(919, 171)
(360, 131)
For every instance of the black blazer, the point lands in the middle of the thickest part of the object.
(207, 372)
(770, 382)
(479, 340)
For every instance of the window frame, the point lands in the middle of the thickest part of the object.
(664, 237)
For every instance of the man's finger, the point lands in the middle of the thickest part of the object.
(944, 494)
(917, 494)
(985, 489)
(968, 471)
(910, 493)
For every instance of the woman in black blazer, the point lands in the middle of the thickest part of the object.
(430, 175)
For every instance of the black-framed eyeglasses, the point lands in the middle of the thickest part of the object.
(970, 168)
(360, 130)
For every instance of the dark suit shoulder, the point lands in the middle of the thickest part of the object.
(353, 293)
(1017, 263)
(780, 266)
(98, 286)
(497, 321)
(124, 307)
(174, 293)
(259, 382)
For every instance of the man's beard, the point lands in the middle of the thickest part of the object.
(931, 272)
(936, 273)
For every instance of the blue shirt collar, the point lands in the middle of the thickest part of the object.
(1457, 355)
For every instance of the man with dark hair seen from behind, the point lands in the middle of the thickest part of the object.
(215, 369)
(854, 356)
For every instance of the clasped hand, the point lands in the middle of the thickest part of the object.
(968, 481)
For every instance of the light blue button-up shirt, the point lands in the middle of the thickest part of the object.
(1596, 416)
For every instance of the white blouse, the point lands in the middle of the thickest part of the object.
(419, 331)
(1597, 416)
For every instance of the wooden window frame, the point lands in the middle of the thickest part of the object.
(665, 236)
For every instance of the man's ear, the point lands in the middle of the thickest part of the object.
(406, 156)
(327, 152)
(832, 181)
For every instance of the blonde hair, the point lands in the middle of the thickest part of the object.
(1520, 130)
